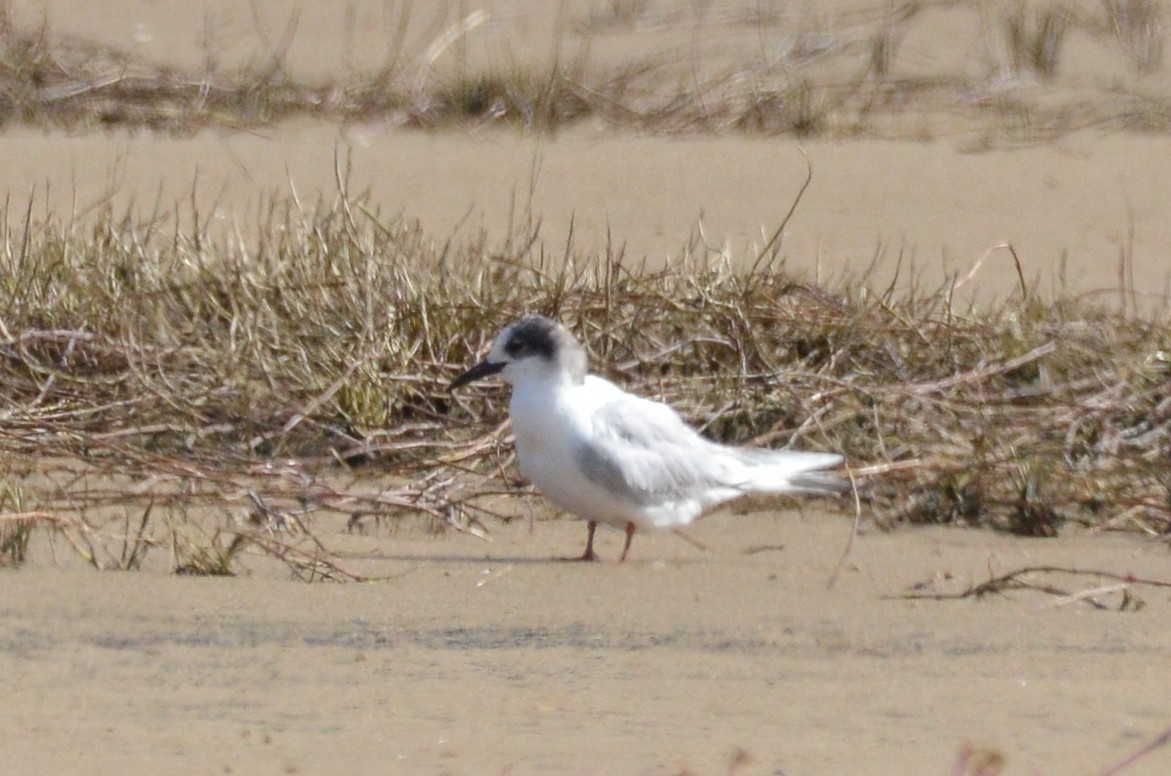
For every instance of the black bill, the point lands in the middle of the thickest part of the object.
(479, 371)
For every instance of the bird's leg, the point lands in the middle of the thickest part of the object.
(589, 550)
(629, 537)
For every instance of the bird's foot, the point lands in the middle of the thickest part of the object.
(630, 528)
(592, 525)
(588, 555)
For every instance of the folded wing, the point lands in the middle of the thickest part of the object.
(642, 452)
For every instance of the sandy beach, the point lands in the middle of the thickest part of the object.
(493, 657)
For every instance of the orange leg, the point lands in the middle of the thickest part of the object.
(589, 550)
(629, 537)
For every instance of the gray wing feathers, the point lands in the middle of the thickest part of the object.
(643, 453)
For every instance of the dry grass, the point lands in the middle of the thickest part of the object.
(781, 71)
(1036, 35)
(305, 373)
(151, 373)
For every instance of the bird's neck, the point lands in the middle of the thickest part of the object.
(536, 400)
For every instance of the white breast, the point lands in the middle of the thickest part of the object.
(549, 422)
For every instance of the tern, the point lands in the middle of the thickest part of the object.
(611, 457)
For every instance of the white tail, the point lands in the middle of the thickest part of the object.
(789, 471)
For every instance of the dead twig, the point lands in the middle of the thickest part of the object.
(1015, 580)
(1158, 742)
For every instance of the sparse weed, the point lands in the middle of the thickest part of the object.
(1138, 27)
(209, 556)
(15, 531)
(16, 527)
(1035, 35)
(791, 76)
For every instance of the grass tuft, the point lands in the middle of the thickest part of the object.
(305, 375)
(1138, 27)
(1035, 35)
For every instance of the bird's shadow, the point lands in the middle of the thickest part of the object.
(526, 560)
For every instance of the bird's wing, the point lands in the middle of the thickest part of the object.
(643, 453)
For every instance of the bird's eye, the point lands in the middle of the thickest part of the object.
(514, 348)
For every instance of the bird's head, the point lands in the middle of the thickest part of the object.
(533, 347)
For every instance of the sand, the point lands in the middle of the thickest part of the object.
(479, 657)
(494, 658)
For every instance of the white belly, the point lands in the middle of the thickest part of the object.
(547, 435)
(551, 466)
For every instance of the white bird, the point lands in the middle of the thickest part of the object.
(611, 457)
